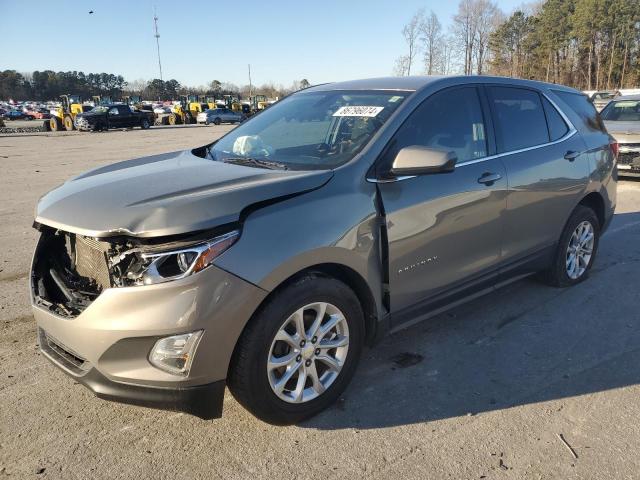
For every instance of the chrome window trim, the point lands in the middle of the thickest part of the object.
(570, 133)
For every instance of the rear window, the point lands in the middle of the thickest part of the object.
(557, 126)
(519, 117)
(622, 111)
(581, 105)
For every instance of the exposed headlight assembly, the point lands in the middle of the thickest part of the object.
(152, 267)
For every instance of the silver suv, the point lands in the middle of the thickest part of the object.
(267, 260)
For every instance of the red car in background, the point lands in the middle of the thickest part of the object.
(38, 113)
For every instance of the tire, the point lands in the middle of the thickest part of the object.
(217, 121)
(249, 379)
(207, 122)
(55, 124)
(173, 119)
(144, 125)
(561, 274)
(188, 119)
(68, 123)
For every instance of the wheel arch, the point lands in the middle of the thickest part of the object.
(337, 271)
(595, 202)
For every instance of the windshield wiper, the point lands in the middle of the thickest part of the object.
(254, 162)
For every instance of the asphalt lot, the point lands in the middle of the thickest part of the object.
(484, 391)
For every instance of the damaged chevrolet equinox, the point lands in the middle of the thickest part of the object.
(266, 260)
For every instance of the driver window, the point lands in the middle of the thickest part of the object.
(113, 111)
(450, 120)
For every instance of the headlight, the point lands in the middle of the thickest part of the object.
(151, 268)
(175, 354)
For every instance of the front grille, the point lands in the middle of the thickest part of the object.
(629, 158)
(61, 354)
(91, 260)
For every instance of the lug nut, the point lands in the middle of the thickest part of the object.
(302, 343)
(317, 351)
(314, 339)
(307, 363)
(298, 358)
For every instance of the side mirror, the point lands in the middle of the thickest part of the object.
(418, 160)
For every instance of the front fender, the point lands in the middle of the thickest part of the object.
(336, 224)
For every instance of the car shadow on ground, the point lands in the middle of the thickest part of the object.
(522, 344)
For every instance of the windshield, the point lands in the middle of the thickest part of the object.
(315, 130)
(622, 111)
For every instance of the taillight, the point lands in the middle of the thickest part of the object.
(615, 148)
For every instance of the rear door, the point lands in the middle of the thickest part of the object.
(547, 166)
(444, 230)
(126, 117)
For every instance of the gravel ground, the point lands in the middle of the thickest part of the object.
(491, 390)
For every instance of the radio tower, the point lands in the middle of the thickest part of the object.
(157, 35)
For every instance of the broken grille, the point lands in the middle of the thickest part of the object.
(91, 261)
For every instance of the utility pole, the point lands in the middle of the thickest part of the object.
(250, 87)
(157, 35)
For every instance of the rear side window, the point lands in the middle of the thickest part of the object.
(581, 105)
(557, 126)
(451, 120)
(519, 118)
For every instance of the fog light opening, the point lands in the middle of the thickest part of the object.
(175, 354)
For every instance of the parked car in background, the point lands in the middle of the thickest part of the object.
(17, 115)
(39, 113)
(600, 99)
(104, 117)
(219, 115)
(267, 259)
(622, 119)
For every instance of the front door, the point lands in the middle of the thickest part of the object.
(444, 230)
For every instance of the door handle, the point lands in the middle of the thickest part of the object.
(571, 155)
(489, 178)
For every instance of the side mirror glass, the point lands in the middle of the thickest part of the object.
(418, 160)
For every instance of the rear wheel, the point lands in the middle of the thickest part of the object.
(68, 123)
(55, 124)
(299, 352)
(576, 250)
(145, 124)
(173, 119)
(217, 121)
(207, 122)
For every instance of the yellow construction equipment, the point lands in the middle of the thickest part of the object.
(187, 110)
(65, 114)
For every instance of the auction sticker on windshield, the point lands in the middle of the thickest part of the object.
(358, 111)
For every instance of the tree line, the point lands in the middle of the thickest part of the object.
(587, 44)
(49, 85)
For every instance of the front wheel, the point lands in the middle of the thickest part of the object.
(217, 121)
(299, 352)
(145, 124)
(576, 250)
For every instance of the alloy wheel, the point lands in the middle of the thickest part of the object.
(580, 250)
(308, 352)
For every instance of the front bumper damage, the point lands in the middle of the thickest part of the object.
(101, 335)
(629, 159)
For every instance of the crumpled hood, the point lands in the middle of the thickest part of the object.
(166, 194)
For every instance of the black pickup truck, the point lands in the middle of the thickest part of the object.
(104, 117)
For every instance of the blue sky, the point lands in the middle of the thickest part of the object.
(283, 40)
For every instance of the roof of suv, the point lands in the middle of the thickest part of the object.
(415, 83)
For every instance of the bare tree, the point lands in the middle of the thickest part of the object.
(401, 68)
(487, 16)
(411, 33)
(431, 32)
(465, 28)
